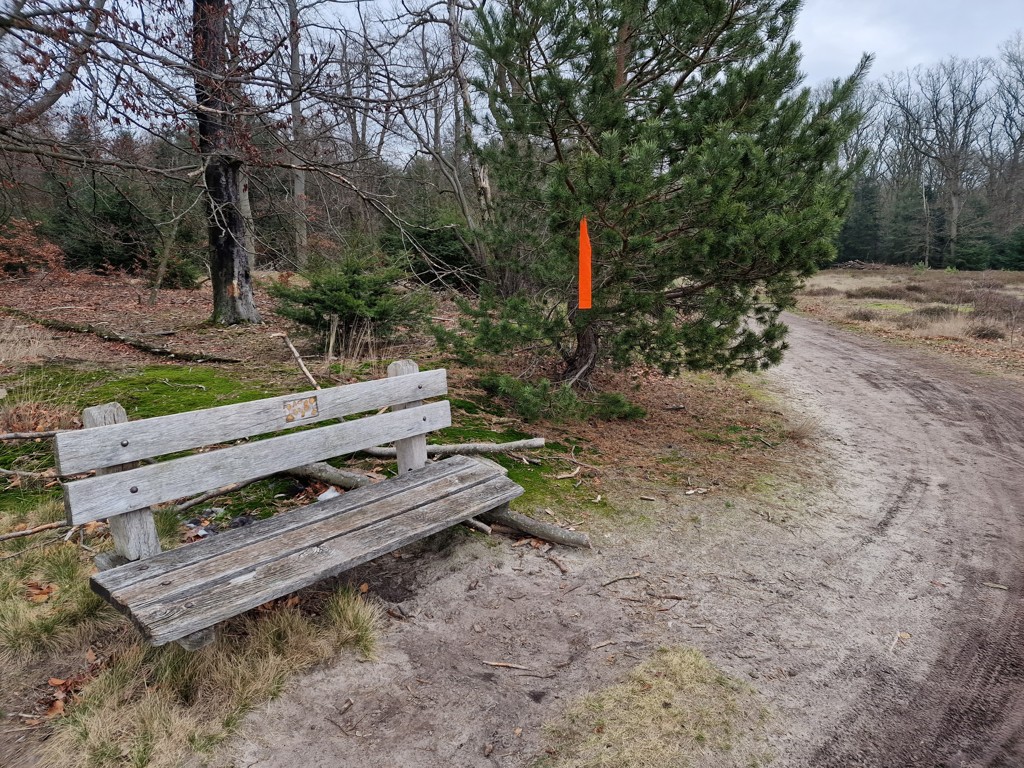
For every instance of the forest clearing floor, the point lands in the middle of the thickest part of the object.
(849, 564)
(875, 610)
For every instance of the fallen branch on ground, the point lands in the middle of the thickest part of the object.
(477, 525)
(31, 435)
(558, 563)
(536, 528)
(466, 449)
(622, 578)
(106, 335)
(212, 495)
(506, 665)
(20, 473)
(31, 531)
(298, 359)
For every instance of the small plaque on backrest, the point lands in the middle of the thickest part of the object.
(304, 408)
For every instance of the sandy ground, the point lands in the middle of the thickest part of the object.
(877, 614)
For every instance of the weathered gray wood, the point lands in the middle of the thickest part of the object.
(444, 477)
(411, 452)
(325, 473)
(465, 449)
(164, 620)
(103, 497)
(104, 561)
(180, 595)
(82, 450)
(241, 560)
(134, 534)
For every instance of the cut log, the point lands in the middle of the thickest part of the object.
(536, 528)
(464, 449)
(477, 525)
(325, 473)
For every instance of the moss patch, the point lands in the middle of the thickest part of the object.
(160, 390)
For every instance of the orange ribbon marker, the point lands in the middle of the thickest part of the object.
(585, 276)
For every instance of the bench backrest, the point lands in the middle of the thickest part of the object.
(110, 447)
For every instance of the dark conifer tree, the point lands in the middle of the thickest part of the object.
(709, 177)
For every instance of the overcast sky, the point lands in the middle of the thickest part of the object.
(901, 33)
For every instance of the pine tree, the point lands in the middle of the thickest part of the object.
(709, 179)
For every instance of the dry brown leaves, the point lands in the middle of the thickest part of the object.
(39, 592)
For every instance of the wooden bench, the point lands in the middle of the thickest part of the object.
(176, 595)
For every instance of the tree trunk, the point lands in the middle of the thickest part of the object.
(581, 363)
(167, 243)
(956, 208)
(245, 208)
(300, 232)
(233, 300)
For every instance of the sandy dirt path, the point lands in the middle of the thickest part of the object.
(932, 548)
(877, 612)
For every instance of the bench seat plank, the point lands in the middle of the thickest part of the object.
(128, 575)
(188, 589)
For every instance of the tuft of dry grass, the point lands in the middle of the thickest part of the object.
(826, 290)
(133, 704)
(21, 342)
(30, 416)
(952, 327)
(676, 710)
(986, 331)
(803, 431)
(154, 706)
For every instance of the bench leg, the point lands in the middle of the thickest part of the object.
(199, 639)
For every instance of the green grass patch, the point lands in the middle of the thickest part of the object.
(56, 383)
(45, 601)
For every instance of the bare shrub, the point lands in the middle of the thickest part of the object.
(862, 315)
(826, 290)
(888, 292)
(986, 331)
(946, 293)
(998, 306)
(935, 312)
(911, 322)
